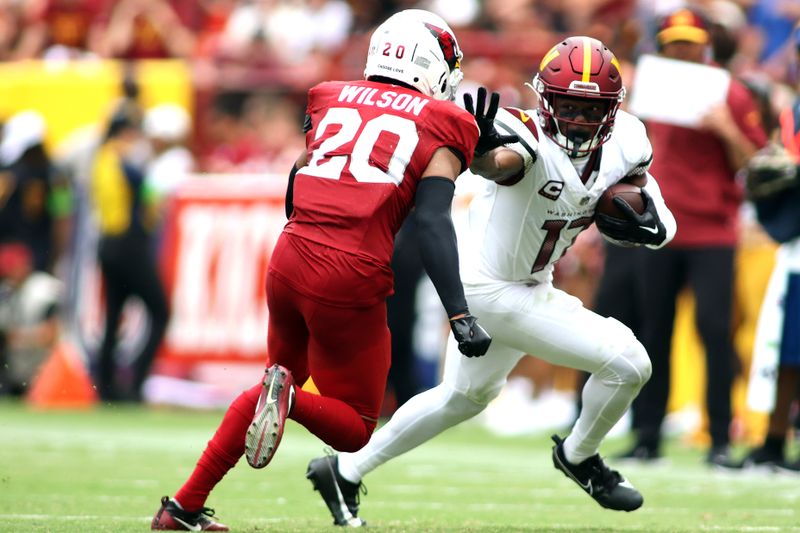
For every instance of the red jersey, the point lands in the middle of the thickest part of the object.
(69, 21)
(368, 145)
(696, 178)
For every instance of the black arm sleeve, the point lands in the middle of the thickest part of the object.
(288, 202)
(437, 241)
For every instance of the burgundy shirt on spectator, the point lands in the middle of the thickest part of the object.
(704, 198)
(68, 21)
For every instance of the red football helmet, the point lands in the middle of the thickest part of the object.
(579, 69)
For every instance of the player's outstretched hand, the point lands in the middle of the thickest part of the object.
(473, 341)
(490, 138)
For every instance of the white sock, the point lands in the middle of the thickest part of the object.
(347, 468)
(604, 403)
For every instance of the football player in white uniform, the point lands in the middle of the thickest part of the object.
(541, 192)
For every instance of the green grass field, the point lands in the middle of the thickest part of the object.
(105, 470)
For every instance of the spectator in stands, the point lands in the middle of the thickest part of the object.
(171, 162)
(727, 22)
(61, 29)
(234, 144)
(209, 21)
(775, 19)
(126, 255)
(274, 119)
(697, 167)
(167, 127)
(277, 23)
(773, 184)
(29, 313)
(262, 36)
(11, 29)
(34, 202)
(146, 29)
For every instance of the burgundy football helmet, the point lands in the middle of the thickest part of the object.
(580, 68)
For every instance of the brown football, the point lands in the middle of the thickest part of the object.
(628, 192)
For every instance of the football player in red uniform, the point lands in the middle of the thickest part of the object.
(375, 149)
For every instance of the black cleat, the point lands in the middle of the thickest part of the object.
(720, 456)
(170, 517)
(341, 496)
(761, 458)
(606, 486)
(792, 467)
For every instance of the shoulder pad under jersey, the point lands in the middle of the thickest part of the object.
(631, 135)
(522, 123)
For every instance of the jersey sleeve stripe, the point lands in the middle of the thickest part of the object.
(642, 167)
(522, 141)
(525, 118)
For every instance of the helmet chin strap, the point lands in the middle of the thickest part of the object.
(454, 80)
(578, 139)
(574, 141)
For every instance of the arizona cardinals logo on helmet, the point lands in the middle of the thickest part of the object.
(447, 43)
(434, 64)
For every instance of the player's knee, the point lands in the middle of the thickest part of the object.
(453, 406)
(630, 368)
(468, 404)
(637, 368)
(352, 441)
(476, 398)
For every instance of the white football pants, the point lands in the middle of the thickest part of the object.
(542, 321)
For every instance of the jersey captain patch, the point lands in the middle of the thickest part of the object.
(552, 189)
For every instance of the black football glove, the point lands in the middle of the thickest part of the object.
(634, 228)
(770, 172)
(473, 341)
(490, 138)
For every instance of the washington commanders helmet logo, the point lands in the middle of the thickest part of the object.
(552, 189)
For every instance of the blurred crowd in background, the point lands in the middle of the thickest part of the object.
(248, 66)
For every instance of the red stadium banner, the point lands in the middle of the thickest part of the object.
(218, 238)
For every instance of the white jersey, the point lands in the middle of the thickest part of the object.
(517, 231)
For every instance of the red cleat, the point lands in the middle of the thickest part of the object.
(172, 518)
(274, 404)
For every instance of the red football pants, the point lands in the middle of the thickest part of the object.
(347, 350)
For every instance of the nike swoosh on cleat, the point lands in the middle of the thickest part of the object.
(355, 522)
(587, 487)
(654, 231)
(190, 527)
(346, 514)
(270, 398)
